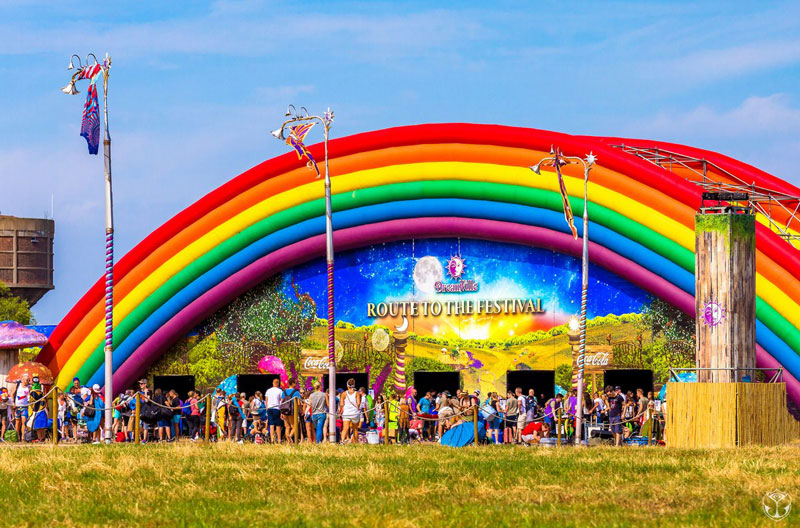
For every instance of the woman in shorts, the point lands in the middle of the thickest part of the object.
(351, 412)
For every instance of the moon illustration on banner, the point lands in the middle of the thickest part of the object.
(380, 340)
(403, 327)
(427, 272)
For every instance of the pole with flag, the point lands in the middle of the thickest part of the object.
(299, 124)
(558, 160)
(90, 130)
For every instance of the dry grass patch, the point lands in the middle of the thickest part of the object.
(249, 485)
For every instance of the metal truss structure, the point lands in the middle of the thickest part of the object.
(702, 172)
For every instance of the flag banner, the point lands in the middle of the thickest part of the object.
(559, 161)
(296, 139)
(90, 122)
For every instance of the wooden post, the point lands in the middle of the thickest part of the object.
(558, 425)
(208, 417)
(475, 422)
(136, 418)
(55, 415)
(386, 421)
(294, 412)
(725, 294)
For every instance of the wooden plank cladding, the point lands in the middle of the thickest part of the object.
(725, 295)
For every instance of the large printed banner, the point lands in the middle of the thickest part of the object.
(480, 307)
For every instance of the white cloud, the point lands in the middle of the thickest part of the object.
(756, 116)
(716, 64)
(369, 37)
(762, 131)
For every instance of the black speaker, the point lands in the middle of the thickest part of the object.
(360, 378)
(250, 383)
(426, 380)
(630, 379)
(541, 381)
(180, 384)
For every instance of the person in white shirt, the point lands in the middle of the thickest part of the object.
(21, 399)
(274, 395)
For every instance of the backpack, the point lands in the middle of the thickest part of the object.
(150, 412)
(287, 403)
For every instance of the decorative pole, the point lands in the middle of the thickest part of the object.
(301, 123)
(557, 161)
(90, 130)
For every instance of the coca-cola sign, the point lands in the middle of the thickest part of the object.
(599, 359)
(315, 363)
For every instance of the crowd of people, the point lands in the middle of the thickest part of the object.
(293, 414)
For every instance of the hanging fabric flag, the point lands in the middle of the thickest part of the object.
(557, 163)
(297, 135)
(90, 123)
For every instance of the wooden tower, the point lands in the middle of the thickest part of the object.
(725, 292)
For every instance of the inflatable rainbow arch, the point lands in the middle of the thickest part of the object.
(440, 180)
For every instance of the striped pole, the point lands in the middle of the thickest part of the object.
(109, 264)
(331, 321)
(587, 166)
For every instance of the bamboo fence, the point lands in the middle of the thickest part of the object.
(728, 415)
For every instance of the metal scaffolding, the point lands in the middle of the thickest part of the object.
(700, 171)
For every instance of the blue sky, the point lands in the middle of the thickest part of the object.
(196, 87)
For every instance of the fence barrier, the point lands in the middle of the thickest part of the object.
(728, 415)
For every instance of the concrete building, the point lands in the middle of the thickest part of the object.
(26, 256)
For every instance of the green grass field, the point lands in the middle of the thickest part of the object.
(249, 485)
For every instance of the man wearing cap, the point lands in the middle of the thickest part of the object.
(94, 400)
(144, 397)
(615, 401)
